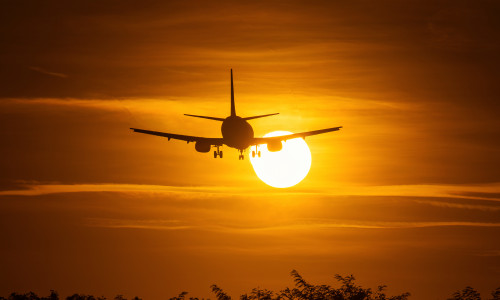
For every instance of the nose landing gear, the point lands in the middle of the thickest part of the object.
(242, 156)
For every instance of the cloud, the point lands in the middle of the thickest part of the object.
(240, 210)
(294, 225)
(50, 73)
(317, 224)
(434, 191)
(45, 189)
(424, 190)
(447, 204)
(137, 224)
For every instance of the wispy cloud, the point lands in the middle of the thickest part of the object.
(44, 189)
(448, 204)
(294, 225)
(314, 225)
(137, 224)
(47, 72)
(448, 191)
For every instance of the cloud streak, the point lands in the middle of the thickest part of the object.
(293, 225)
(137, 224)
(448, 191)
(50, 73)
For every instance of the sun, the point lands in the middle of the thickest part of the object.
(284, 168)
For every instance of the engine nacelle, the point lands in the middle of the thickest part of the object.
(202, 147)
(274, 146)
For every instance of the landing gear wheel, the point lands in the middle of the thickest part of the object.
(217, 153)
(253, 154)
(258, 153)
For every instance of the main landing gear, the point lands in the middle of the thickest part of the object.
(242, 156)
(218, 153)
(256, 151)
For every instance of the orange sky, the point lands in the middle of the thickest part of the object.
(406, 194)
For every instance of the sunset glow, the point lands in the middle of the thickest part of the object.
(406, 194)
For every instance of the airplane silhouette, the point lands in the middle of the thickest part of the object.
(236, 133)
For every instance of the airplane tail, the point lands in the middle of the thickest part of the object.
(233, 109)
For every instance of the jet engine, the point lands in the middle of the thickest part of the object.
(274, 146)
(202, 147)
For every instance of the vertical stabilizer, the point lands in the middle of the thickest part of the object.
(233, 109)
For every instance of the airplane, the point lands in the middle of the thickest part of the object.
(236, 133)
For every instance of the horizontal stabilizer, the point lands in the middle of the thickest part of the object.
(205, 117)
(261, 116)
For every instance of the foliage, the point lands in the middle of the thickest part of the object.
(219, 293)
(303, 290)
(496, 294)
(468, 293)
(80, 297)
(181, 296)
(347, 291)
(32, 296)
(259, 294)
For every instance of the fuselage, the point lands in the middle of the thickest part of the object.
(236, 132)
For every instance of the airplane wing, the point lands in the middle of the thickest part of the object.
(187, 138)
(266, 140)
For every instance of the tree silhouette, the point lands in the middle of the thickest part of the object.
(80, 297)
(347, 291)
(259, 294)
(181, 296)
(468, 293)
(27, 296)
(219, 293)
(303, 290)
(496, 294)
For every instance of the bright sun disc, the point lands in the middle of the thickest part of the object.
(284, 168)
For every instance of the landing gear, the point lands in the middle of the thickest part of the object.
(256, 151)
(242, 156)
(218, 153)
